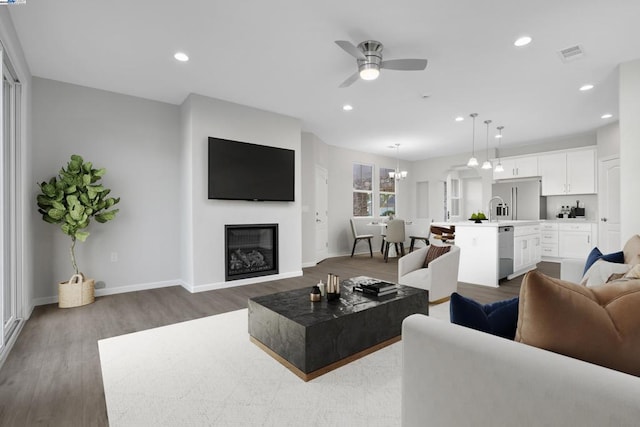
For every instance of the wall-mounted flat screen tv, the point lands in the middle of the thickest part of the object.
(244, 171)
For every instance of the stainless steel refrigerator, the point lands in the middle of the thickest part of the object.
(522, 200)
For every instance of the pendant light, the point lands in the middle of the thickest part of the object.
(398, 174)
(473, 162)
(487, 164)
(499, 167)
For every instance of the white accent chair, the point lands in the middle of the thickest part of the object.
(357, 237)
(440, 278)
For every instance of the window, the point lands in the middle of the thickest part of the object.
(362, 190)
(10, 94)
(387, 193)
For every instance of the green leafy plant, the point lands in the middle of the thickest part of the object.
(73, 197)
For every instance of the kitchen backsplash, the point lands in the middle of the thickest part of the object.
(555, 203)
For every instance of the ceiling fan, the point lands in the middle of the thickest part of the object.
(369, 57)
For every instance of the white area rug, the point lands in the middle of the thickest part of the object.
(205, 372)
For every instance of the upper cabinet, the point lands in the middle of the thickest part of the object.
(517, 167)
(566, 173)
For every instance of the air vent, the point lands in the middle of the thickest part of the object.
(571, 53)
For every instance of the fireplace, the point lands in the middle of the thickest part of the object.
(251, 250)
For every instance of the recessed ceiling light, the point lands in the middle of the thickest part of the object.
(522, 41)
(182, 57)
(459, 119)
(606, 116)
(586, 87)
(347, 107)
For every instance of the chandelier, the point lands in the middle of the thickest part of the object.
(398, 174)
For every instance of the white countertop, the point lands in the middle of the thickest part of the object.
(494, 224)
(567, 220)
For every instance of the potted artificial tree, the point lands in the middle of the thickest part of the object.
(71, 199)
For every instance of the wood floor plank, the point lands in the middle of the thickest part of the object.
(53, 377)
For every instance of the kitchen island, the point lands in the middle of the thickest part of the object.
(486, 255)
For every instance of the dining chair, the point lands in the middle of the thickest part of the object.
(395, 235)
(357, 237)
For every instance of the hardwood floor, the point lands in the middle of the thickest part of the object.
(52, 375)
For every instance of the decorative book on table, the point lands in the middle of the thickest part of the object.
(374, 293)
(371, 286)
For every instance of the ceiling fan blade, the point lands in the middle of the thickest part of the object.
(351, 49)
(350, 80)
(404, 64)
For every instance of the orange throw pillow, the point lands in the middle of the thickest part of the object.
(600, 325)
(434, 252)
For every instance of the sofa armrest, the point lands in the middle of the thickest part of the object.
(571, 269)
(411, 262)
(456, 376)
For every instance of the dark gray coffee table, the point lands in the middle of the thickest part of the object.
(313, 338)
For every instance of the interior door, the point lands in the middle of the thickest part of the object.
(609, 205)
(322, 218)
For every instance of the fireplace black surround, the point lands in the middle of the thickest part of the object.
(251, 250)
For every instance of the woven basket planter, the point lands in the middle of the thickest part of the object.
(76, 292)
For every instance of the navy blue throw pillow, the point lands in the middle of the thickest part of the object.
(595, 255)
(499, 318)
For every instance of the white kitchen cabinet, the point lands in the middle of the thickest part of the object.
(566, 173)
(575, 240)
(549, 239)
(517, 167)
(527, 249)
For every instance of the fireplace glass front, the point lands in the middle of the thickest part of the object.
(251, 250)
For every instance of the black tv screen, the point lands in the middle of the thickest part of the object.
(244, 171)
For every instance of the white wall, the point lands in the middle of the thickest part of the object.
(435, 171)
(138, 142)
(313, 154)
(629, 148)
(206, 117)
(551, 144)
(608, 138)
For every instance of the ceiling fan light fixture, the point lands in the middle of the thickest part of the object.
(369, 72)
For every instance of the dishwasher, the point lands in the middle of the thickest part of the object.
(505, 251)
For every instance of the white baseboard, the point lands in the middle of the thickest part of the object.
(241, 282)
(117, 290)
(309, 264)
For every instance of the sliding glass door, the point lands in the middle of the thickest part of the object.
(10, 94)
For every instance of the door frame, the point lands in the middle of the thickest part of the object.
(601, 201)
(321, 173)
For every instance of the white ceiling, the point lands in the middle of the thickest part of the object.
(280, 55)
